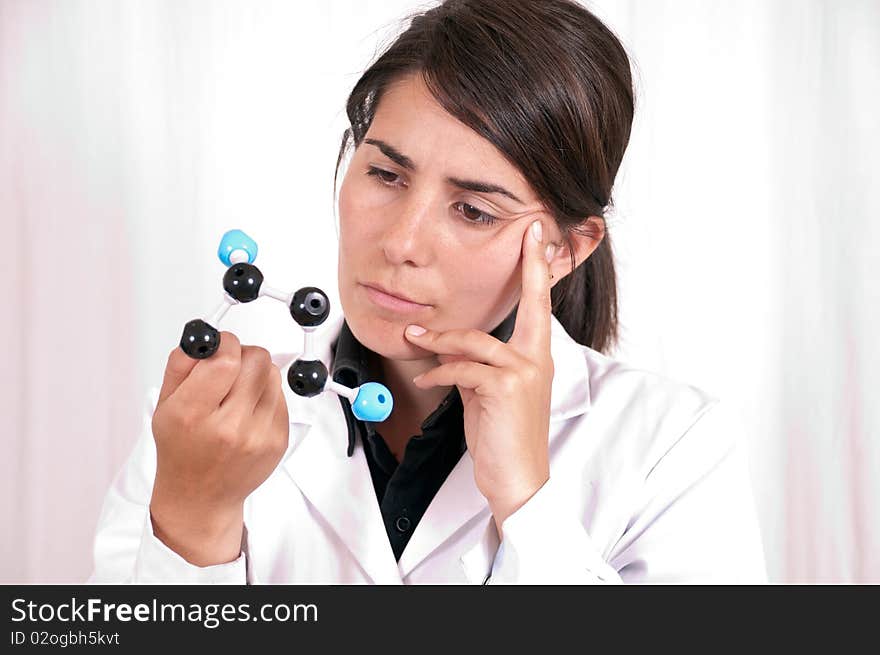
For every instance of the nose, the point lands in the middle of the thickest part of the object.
(408, 233)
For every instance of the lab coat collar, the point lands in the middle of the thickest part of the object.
(338, 486)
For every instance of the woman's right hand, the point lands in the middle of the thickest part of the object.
(221, 427)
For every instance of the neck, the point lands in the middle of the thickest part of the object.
(412, 405)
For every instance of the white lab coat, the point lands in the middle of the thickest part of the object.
(648, 483)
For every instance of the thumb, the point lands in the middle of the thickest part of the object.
(177, 370)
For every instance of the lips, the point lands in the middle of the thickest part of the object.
(389, 292)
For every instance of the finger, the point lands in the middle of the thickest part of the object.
(265, 407)
(269, 419)
(473, 345)
(482, 378)
(532, 329)
(211, 378)
(281, 424)
(177, 369)
(252, 380)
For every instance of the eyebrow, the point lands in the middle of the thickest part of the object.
(469, 185)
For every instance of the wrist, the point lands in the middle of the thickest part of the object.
(202, 536)
(504, 506)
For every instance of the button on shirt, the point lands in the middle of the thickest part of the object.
(404, 490)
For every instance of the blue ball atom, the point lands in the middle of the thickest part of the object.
(236, 240)
(373, 403)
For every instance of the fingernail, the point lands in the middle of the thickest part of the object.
(415, 330)
(550, 253)
(536, 231)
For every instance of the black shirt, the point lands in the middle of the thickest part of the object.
(404, 490)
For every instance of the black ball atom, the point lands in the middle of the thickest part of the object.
(307, 378)
(310, 306)
(199, 340)
(242, 282)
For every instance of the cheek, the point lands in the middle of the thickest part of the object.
(354, 219)
(361, 211)
(347, 205)
(487, 276)
(349, 236)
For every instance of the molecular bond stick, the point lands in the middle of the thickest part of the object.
(309, 307)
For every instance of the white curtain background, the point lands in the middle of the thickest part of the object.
(133, 134)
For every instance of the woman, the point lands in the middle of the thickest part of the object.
(477, 282)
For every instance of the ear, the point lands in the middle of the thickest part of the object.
(585, 238)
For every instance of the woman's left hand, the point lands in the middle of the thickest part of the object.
(505, 390)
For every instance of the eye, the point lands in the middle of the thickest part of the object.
(474, 215)
(470, 213)
(384, 177)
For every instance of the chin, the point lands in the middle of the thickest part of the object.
(380, 331)
(383, 336)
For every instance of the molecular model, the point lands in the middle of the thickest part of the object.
(309, 306)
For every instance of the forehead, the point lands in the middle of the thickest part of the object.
(409, 118)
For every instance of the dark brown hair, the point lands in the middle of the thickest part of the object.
(549, 85)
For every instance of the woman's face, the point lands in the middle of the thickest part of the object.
(414, 221)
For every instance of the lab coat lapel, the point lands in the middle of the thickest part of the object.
(338, 486)
(457, 502)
